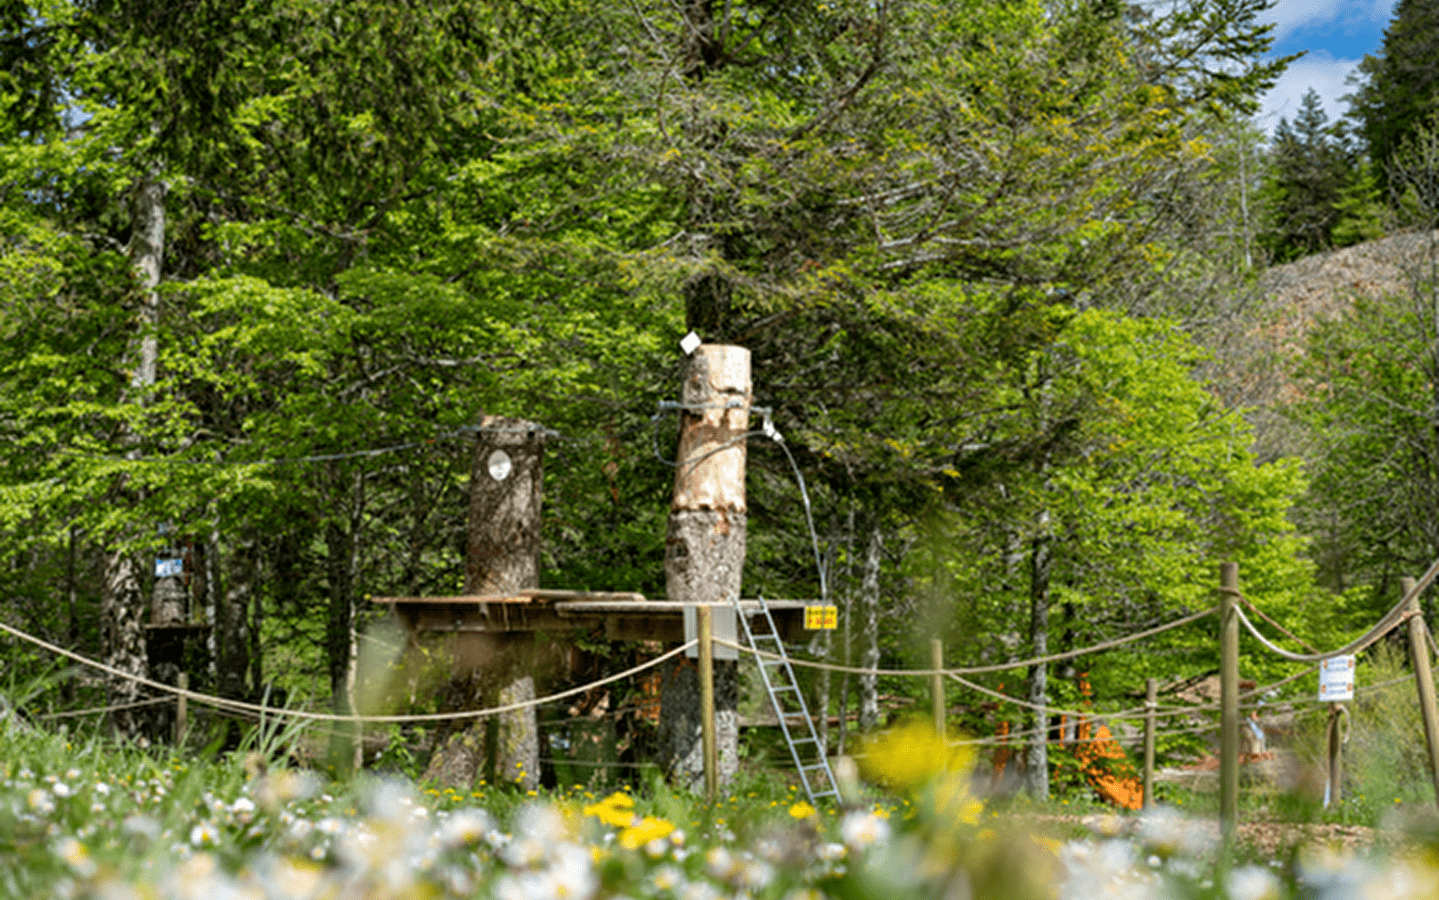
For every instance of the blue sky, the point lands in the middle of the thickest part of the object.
(1336, 34)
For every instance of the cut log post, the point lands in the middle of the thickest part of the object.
(182, 710)
(707, 700)
(1335, 746)
(1423, 680)
(1151, 702)
(502, 557)
(705, 550)
(1228, 700)
(936, 687)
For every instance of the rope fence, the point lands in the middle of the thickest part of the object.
(1234, 604)
(225, 703)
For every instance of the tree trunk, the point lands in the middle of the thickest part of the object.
(502, 556)
(231, 623)
(869, 636)
(122, 601)
(1036, 768)
(847, 639)
(705, 551)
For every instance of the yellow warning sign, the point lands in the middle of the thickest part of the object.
(818, 618)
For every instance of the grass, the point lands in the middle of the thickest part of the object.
(81, 816)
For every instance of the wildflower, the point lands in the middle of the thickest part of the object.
(616, 810)
(801, 810)
(466, 826)
(74, 855)
(574, 875)
(862, 830)
(204, 835)
(1253, 883)
(61, 789)
(40, 801)
(523, 853)
(909, 756)
(719, 863)
(243, 809)
(648, 829)
(667, 878)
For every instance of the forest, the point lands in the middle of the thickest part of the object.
(265, 266)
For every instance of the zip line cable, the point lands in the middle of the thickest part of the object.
(462, 431)
(980, 670)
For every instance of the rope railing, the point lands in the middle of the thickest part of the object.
(95, 710)
(1398, 614)
(977, 670)
(225, 703)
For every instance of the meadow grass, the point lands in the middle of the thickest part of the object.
(83, 816)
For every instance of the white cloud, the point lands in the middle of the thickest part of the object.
(1317, 69)
(1298, 15)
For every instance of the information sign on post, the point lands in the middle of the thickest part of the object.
(1336, 679)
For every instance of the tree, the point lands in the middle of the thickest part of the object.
(1370, 377)
(1312, 170)
(1397, 89)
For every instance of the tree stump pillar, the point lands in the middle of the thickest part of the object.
(502, 556)
(705, 550)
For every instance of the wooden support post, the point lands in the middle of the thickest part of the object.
(707, 699)
(1423, 680)
(1335, 793)
(1151, 694)
(1228, 700)
(181, 708)
(705, 550)
(936, 690)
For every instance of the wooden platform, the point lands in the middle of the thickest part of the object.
(624, 616)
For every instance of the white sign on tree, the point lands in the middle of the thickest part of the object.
(1336, 678)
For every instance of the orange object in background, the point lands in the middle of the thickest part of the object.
(1123, 790)
(1002, 753)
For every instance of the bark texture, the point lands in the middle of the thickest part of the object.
(869, 633)
(122, 602)
(502, 556)
(1036, 763)
(705, 551)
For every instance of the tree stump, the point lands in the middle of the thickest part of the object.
(705, 550)
(502, 556)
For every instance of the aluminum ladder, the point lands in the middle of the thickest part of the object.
(789, 706)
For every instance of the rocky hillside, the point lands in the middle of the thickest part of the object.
(1256, 358)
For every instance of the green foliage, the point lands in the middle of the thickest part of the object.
(1397, 88)
(932, 223)
(1320, 193)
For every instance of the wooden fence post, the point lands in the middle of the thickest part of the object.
(1228, 700)
(182, 708)
(705, 614)
(936, 662)
(1151, 692)
(1424, 681)
(1335, 793)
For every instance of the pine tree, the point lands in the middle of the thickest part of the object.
(1313, 165)
(1398, 87)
